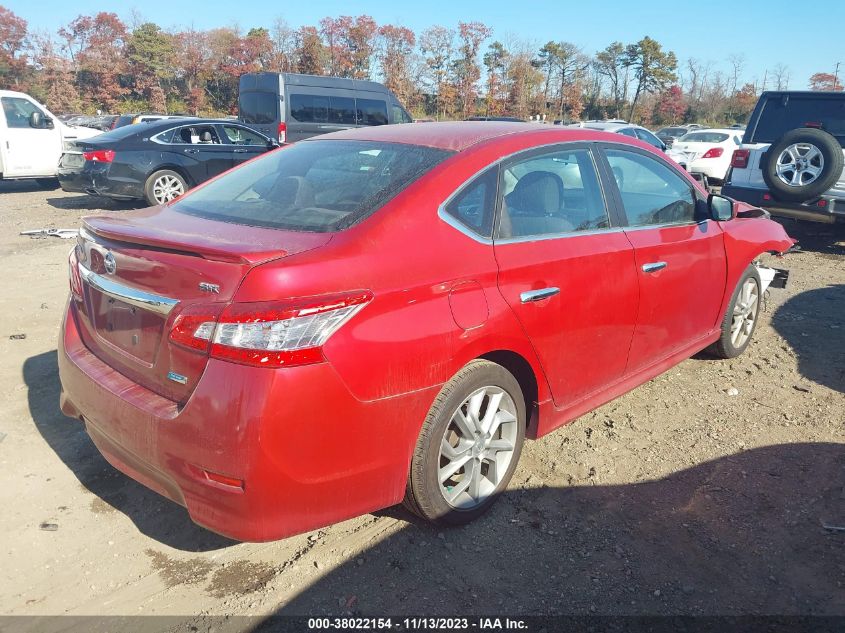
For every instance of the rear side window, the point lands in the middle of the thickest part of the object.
(550, 194)
(258, 107)
(777, 118)
(473, 206)
(371, 112)
(316, 186)
(307, 108)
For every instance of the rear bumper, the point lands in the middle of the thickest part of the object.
(308, 453)
(825, 209)
(94, 178)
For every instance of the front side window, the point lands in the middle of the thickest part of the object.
(400, 116)
(237, 135)
(473, 206)
(258, 107)
(371, 112)
(316, 186)
(18, 111)
(652, 193)
(551, 193)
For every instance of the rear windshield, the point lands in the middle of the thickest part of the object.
(314, 186)
(776, 119)
(704, 137)
(258, 107)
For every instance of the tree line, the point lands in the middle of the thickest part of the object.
(99, 62)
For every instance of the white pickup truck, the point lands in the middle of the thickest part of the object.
(31, 138)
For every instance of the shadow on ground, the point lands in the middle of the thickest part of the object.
(826, 239)
(87, 202)
(812, 323)
(738, 535)
(156, 517)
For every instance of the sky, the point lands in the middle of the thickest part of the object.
(765, 33)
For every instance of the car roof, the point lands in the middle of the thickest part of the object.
(460, 135)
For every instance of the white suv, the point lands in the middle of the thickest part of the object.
(791, 161)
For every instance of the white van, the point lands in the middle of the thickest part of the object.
(31, 138)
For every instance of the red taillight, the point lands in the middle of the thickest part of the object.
(267, 334)
(740, 158)
(194, 327)
(73, 273)
(99, 156)
(282, 132)
(713, 152)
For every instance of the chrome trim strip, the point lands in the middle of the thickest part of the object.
(132, 296)
(557, 236)
(653, 267)
(538, 295)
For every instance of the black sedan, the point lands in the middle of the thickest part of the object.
(160, 160)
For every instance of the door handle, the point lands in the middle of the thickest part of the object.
(538, 295)
(240, 151)
(653, 267)
(192, 151)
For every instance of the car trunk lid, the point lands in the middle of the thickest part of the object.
(141, 270)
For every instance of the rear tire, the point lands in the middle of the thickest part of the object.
(740, 320)
(163, 186)
(467, 451)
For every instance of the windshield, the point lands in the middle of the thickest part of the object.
(313, 185)
(704, 137)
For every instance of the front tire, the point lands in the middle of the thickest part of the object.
(163, 186)
(740, 320)
(469, 445)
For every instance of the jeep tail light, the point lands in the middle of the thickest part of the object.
(99, 156)
(740, 158)
(282, 132)
(713, 152)
(268, 334)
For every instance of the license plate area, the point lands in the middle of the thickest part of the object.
(132, 329)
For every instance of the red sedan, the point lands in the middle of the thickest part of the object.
(385, 314)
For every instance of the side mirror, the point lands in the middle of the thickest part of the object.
(272, 143)
(36, 120)
(721, 208)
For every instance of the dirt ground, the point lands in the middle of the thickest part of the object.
(677, 498)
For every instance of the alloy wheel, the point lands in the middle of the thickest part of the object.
(477, 447)
(799, 164)
(166, 188)
(745, 312)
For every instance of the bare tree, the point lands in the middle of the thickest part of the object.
(780, 76)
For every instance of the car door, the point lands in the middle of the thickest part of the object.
(680, 258)
(202, 159)
(566, 268)
(246, 143)
(29, 151)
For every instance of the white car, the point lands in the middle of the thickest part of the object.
(707, 152)
(32, 138)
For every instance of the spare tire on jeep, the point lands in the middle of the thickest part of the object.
(802, 164)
